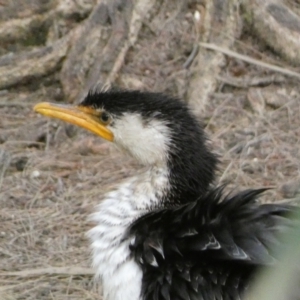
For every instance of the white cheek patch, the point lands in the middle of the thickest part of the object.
(148, 141)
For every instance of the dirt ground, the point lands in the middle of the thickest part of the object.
(52, 175)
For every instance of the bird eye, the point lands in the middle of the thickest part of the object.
(105, 117)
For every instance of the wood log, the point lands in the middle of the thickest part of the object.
(18, 68)
(277, 26)
(220, 25)
(99, 49)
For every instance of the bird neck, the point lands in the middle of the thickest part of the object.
(151, 187)
(139, 194)
(179, 181)
(190, 175)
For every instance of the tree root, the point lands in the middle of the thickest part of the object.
(277, 25)
(22, 29)
(111, 28)
(220, 26)
(92, 52)
(20, 67)
(27, 29)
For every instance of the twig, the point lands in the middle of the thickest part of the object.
(51, 271)
(249, 60)
(256, 81)
(25, 143)
(117, 66)
(191, 57)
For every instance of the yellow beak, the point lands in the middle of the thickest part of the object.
(85, 117)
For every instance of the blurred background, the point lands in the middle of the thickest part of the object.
(237, 64)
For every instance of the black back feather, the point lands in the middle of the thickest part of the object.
(207, 249)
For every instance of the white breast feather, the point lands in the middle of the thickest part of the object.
(121, 276)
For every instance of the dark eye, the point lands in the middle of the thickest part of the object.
(105, 117)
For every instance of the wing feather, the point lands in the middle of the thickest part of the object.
(207, 249)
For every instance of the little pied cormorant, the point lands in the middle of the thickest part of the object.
(166, 234)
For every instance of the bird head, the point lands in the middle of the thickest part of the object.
(155, 129)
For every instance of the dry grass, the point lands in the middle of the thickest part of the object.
(51, 178)
(44, 252)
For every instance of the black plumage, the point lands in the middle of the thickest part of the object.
(209, 248)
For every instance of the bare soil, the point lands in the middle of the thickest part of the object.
(52, 175)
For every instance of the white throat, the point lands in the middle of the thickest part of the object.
(121, 276)
(148, 141)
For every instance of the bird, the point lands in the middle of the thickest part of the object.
(170, 232)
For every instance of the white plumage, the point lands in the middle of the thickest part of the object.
(148, 142)
(120, 274)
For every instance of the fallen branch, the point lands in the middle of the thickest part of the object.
(17, 68)
(245, 82)
(87, 44)
(219, 24)
(277, 25)
(100, 49)
(35, 24)
(250, 60)
(21, 29)
(139, 14)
